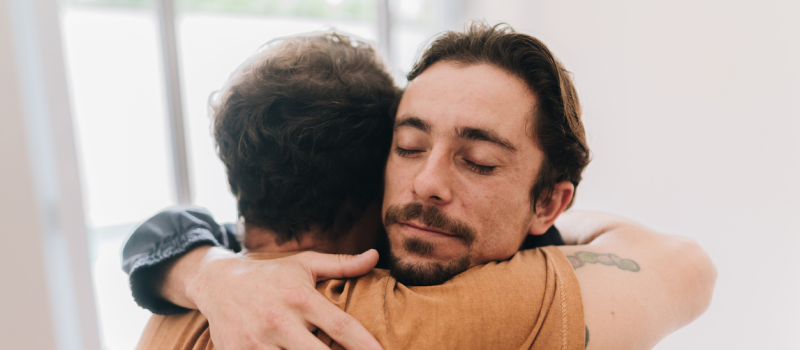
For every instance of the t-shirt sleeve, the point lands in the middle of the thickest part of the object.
(187, 331)
(562, 322)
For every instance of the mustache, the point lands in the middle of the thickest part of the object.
(430, 216)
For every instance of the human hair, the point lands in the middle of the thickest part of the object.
(303, 129)
(557, 128)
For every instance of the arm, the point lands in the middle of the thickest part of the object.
(637, 286)
(161, 240)
(249, 304)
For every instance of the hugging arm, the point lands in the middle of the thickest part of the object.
(162, 239)
(637, 286)
(180, 260)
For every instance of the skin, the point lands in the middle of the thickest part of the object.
(659, 284)
(437, 159)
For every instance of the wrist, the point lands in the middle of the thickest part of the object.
(199, 272)
(181, 276)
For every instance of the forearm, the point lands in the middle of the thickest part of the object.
(673, 283)
(161, 242)
(654, 283)
(603, 232)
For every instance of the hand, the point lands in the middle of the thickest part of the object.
(273, 304)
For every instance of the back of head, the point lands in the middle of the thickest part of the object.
(556, 121)
(304, 129)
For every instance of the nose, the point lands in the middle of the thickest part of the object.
(432, 183)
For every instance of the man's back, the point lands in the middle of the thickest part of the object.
(530, 301)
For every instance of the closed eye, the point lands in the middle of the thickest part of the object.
(480, 169)
(406, 152)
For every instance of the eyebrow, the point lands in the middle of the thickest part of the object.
(464, 133)
(415, 123)
(477, 134)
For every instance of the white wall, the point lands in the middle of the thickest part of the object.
(24, 311)
(46, 299)
(693, 113)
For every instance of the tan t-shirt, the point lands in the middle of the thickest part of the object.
(531, 301)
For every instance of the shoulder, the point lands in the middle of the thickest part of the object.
(540, 286)
(530, 265)
(179, 332)
(339, 291)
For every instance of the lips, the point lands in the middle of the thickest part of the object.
(427, 220)
(427, 228)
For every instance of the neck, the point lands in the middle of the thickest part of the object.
(360, 238)
(264, 240)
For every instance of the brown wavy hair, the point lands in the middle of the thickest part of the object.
(556, 121)
(304, 129)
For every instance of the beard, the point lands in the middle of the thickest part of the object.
(426, 273)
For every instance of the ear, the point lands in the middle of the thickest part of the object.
(546, 215)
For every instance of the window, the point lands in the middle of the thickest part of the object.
(214, 38)
(114, 63)
(122, 141)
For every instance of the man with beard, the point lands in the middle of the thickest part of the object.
(487, 148)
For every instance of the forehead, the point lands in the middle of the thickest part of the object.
(480, 96)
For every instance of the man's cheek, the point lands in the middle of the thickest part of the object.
(401, 181)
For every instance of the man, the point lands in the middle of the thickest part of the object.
(447, 156)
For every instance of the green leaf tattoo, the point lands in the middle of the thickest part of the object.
(581, 258)
(587, 338)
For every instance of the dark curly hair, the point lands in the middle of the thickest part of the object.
(304, 129)
(557, 126)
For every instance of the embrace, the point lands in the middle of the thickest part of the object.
(456, 187)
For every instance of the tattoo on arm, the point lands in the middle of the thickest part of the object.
(586, 343)
(581, 258)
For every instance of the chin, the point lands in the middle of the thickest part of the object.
(412, 270)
